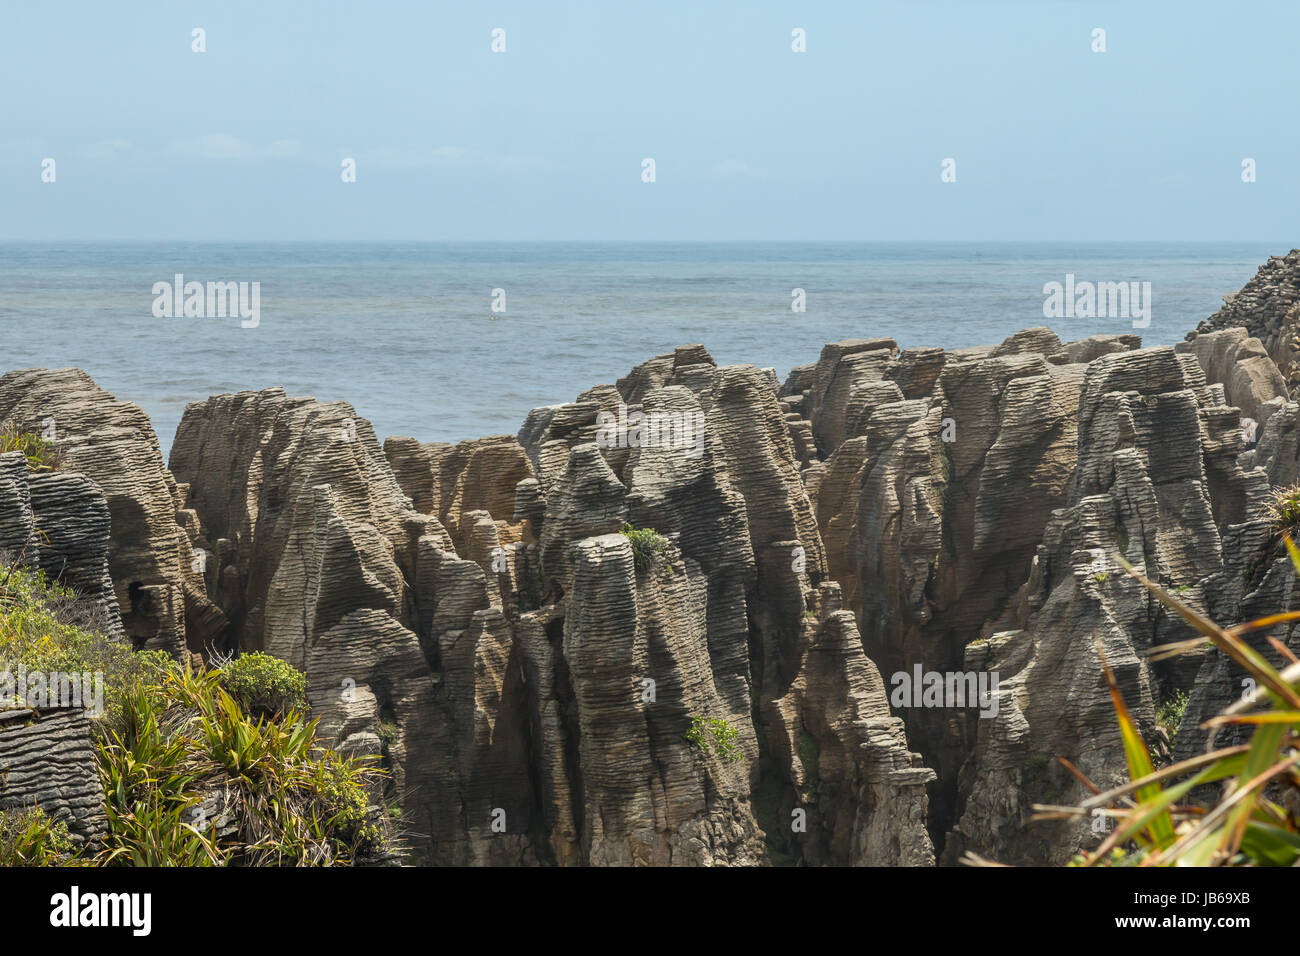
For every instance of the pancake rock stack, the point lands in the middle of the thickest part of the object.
(677, 621)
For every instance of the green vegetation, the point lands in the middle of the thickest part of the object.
(809, 755)
(215, 767)
(193, 780)
(29, 837)
(725, 738)
(1121, 536)
(41, 455)
(1255, 821)
(1169, 714)
(264, 685)
(1283, 509)
(648, 547)
(46, 627)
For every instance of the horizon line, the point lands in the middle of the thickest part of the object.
(751, 241)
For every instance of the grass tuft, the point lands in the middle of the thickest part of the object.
(42, 455)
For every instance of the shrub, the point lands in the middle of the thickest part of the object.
(1283, 509)
(1169, 714)
(41, 455)
(194, 780)
(190, 777)
(724, 737)
(30, 837)
(265, 685)
(47, 627)
(648, 547)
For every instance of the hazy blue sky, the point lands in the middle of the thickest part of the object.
(751, 140)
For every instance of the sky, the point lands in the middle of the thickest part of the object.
(750, 140)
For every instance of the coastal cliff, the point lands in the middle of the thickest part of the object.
(665, 623)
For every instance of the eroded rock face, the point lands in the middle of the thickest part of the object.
(158, 587)
(540, 634)
(1250, 380)
(47, 761)
(473, 613)
(974, 531)
(1268, 308)
(455, 481)
(932, 514)
(58, 522)
(725, 619)
(320, 560)
(1140, 490)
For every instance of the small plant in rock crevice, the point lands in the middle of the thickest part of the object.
(715, 735)
(648, 547)
(41, 454)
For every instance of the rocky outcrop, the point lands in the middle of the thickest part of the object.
(455, 481)
(933, 513)
(1250, 380)
(1268, 308)
(973, 531)
(315, 550)
(151, 554)
(58, 522)
(1141, 489)
(473, 614)
(692, 617)
(47, 762)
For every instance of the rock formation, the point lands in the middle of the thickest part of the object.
(677, 620)
(151, 555)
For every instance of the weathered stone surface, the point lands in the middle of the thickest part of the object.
(47, 761)
(472, 614)
(157, 587)
(1142, 489)
(453, 481)
(1268, 308)
(1241, 365)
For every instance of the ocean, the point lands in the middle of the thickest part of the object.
(407, 331)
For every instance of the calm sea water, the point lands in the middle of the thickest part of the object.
(406, 332)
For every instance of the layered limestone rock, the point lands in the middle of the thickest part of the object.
(933, 510)
(320, 560)
(1268, 308)
(1240, 363)
(473, 614)
(157, 580)
(973, 531)
(47, 761)
(58, 522)
(724, 619)
(455, 481)
(674, 622)
(1140, 490)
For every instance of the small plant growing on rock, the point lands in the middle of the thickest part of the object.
(648, 547)
(725, 737)
(41, 455)
(1283, 509)
(265, 685)
(1169, 714)
(30, 837)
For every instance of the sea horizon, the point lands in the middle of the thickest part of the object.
(447, 340)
